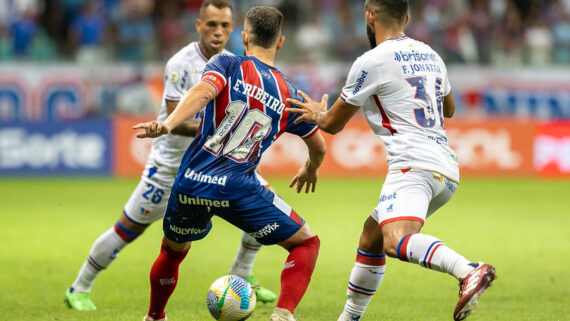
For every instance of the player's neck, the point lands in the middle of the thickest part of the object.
(383, 34)
(267, 56)
(207, 53)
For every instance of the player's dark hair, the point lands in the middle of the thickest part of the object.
(265, 25)
(220, 4)
(388, 9)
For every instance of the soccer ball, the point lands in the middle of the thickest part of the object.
(231, 298)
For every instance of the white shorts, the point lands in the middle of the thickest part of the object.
(148, 201)
(413, 195)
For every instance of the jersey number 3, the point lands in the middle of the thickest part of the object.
(429, 120)
(252, 129)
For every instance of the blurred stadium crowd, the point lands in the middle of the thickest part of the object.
(488, 32)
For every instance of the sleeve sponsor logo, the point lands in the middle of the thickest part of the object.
(360, 82)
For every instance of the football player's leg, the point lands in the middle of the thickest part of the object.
(182, 224)
(243, 265)
(246, 254)
(367, 273)
(303, 249)
(164, 275)
(271, 220)
(420, 193)
(138, 214)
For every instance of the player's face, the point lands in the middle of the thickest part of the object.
(215, 26)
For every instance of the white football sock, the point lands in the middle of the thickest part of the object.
(247, 252)
(105, 249)
(431, 253)
(365, 278)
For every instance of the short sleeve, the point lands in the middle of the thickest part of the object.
(360, 83)
(174, 82)
(216, 71)
(302, 129)
(446, 85)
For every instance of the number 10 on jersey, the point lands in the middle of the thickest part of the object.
(251, 130)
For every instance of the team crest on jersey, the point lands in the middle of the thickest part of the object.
(173, 77)
(265, 74)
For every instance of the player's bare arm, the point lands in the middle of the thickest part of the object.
(331, 121)
(308, 173)
(188, 127)
(192, 102)
(448, 105)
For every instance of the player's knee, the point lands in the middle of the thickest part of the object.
(176, 247)
(370, 244)
(132, 226)
(313, 243)
(391, 241)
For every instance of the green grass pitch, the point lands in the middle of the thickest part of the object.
(519, 225)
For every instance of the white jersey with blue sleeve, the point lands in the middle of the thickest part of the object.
(400, 85)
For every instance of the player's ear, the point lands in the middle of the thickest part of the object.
(198, 24)
(369, 18)
(244, 39)
(407, 19)
(280, 42)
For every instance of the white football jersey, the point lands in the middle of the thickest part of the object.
(400, 85)
(182, 72)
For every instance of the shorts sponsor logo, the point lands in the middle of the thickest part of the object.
(203, 178)
(450, 185)
(186, 199)
(266, 230)
(387, 197)
(186, 231)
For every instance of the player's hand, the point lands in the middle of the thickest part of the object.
(152, 129)
(305, 177)
(309, 110)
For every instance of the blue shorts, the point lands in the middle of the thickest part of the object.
(263, 215)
